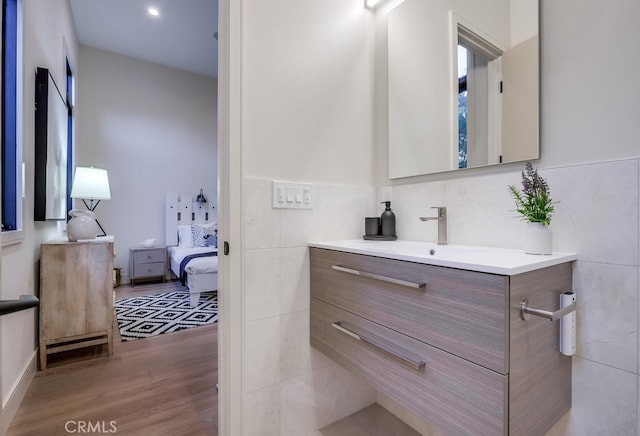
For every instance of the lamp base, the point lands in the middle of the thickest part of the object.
(82, 225)
(92, 207)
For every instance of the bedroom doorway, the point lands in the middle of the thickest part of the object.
(229, 211)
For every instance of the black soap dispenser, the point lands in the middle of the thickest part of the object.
(388, 222)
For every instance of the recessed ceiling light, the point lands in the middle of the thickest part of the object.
(153, 11)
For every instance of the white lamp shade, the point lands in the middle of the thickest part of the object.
(91, 183)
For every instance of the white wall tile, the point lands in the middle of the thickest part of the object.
(294, 278)
(277, 295)
(262, 411)
(261, 221)
(597, 214)
(314, 400)
(262, 284)
(481, 211)
(296, 354)
(604, 402)
(261, 353)
(338, 213)
(409, 203)
(607, 320)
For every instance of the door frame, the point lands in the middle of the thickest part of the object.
(230, 340)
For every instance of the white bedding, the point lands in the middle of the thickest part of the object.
(198, 265)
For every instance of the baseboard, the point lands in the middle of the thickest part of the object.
(10, 408)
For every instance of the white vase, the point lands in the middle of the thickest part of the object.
(82, 225)
(537, 239)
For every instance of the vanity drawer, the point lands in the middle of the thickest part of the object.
(453, 394)
(462, 312)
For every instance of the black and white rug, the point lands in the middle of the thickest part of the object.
(152, 315)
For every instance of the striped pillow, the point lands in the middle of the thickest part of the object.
(200, 234)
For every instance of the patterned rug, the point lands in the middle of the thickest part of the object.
(152, 315)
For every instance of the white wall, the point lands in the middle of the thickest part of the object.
(523, 24)
(307, 116)
(154, 129)
(590, 156)
(48, 37)
(308, 90)
(591, 159)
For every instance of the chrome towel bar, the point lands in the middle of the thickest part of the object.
(379, 277)
(416, 364)
(525, 311)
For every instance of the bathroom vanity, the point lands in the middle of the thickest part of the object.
(439, 330)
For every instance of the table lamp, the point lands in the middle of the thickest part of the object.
(91, 184)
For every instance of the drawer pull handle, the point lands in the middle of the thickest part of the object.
(416, 364)
(379, 277)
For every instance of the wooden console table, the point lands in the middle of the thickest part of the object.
(76, 296)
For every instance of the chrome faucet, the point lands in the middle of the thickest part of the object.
(442, 223)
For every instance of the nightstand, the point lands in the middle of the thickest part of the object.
(147, 264)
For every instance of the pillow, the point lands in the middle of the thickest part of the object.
(200, 233)
(185, 238)
(212, 240)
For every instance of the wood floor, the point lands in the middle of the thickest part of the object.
(158, 386)
(165, 385)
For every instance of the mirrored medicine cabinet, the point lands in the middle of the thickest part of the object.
(463, 84)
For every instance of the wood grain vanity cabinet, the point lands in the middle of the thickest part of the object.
(447, 344)
(76, 296)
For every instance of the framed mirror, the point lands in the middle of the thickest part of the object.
(463, 83)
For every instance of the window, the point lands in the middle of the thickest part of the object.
(478, 104)
(11, 141)
(462, 107)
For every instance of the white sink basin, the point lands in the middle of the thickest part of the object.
(506, 261)
(414, 248)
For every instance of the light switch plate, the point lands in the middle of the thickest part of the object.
(297, 195)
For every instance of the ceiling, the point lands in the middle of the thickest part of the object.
(182, 36)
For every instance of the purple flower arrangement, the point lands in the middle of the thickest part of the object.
(534, 201)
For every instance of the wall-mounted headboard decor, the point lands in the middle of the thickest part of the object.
(182, 209)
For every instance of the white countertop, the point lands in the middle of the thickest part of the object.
(504, 261)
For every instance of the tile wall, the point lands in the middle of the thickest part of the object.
(290, 389)
(598, 217)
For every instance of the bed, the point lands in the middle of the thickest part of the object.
(191, 239)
